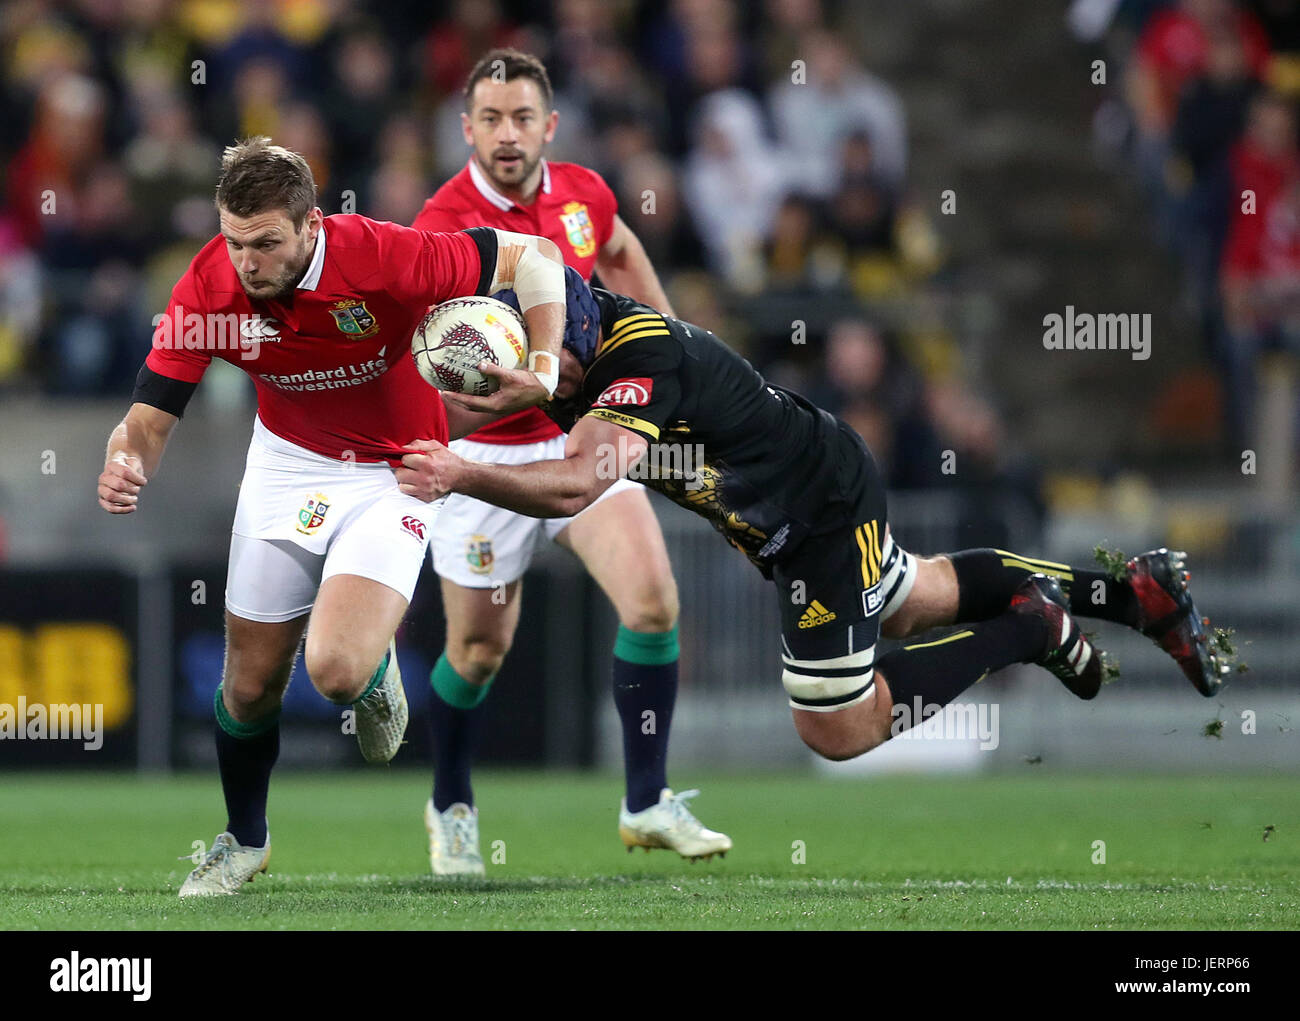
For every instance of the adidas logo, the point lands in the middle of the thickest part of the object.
(814, 615)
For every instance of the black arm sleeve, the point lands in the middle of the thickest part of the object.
(162, 392)
(486, 239)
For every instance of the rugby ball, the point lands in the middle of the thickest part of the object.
(454, 337)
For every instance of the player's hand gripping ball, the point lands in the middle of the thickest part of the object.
(454, 337)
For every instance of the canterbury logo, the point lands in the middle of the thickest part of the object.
(815, 614)
(413, 526)
(257, 328)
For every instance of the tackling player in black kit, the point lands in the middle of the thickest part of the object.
(797, 491)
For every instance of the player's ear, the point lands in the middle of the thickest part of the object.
(466, 128)
(552, 119)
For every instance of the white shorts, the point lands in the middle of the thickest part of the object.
(302, 518)
(477, 544)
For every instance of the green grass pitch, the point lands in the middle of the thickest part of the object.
(100, 852)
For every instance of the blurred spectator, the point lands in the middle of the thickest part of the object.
(454, 44)
(262, 38)
(67, 138)
(1173, 48)
(650, 203)
(168, 163)
(697, 49)
(1260, 267)
(302, 129)
(731, 186)
(1281, 22)
(614, 94)
(790, 249)
(862, 207)
(1263, 161)
(585, 33)
(997, 486)
(20, 300)
(92, 258)
(153, 57)
(1211, 113)
(41, 50)
(839, 98)
(787, 24)
(866, 381)
(1212, 107)
(260, 91)
(360, 97)
(396, 192)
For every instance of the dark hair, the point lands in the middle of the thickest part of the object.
(257, 176)
(505, 65)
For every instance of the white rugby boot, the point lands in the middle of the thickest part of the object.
(226, 867)
(382, 715)
(453, 840)
(670, 825)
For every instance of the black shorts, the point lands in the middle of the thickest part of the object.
(836, 588)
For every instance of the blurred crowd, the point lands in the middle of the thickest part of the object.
(1211, 90)
(763, 166)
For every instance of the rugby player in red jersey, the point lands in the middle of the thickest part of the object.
(481, 552)
(319, 311)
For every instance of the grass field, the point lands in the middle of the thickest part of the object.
(100, 852)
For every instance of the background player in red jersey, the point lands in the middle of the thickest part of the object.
(480, 548)
(320, 312)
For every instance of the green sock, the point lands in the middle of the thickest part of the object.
(242, 730)
(376, 677)
(454, 689)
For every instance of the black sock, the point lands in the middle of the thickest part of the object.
(245, 762)
(455, 738)
(455, 719)
(987, 578)
(925, 677)
(645, 691)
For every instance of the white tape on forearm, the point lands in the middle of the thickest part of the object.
(538, 280)
(550, 376)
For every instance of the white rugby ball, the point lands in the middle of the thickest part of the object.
(455, 336)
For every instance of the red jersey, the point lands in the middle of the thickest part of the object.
(1268, 176)
(331, 364)
(574, 208)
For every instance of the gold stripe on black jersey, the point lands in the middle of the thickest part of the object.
(868, 537)
(636, 334)
(639, 320)
(626, 421)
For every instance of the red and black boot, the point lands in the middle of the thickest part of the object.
(1069, 655)
(1167, 615)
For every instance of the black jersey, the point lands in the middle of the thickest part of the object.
(763, 465)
